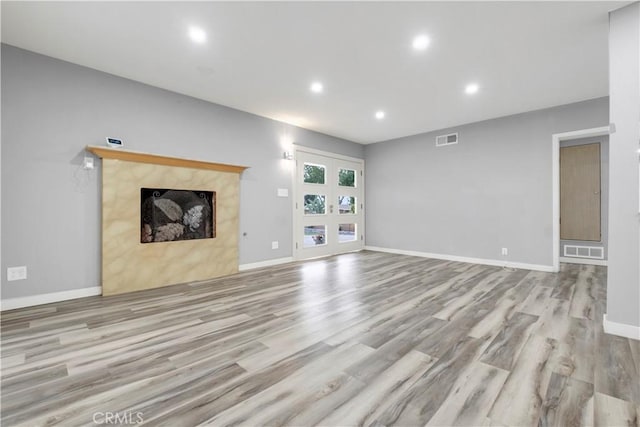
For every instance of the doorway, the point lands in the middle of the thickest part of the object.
(573, 138)
(328, 205)
(584, 199)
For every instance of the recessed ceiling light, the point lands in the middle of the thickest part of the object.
(421, 42)
(316, 87)
(379, 115)
(471, 88)
(197, 35)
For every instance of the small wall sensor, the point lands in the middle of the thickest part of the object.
(87, 163)
(114, 142)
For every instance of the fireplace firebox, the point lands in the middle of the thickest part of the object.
(170, 215)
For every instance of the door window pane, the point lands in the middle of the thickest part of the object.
(314, 204)
(346, 233)
(314, 174)
(314, 235)
(346, 205)
(347, 178)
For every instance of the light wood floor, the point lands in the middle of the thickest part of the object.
(364, 338)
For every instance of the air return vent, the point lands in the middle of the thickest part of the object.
(449, 139)
(593, 252)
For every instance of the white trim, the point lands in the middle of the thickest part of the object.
(298, 147)
(582, 133)
(555, 182)
(585, 261)
(30, 301)
(483, 261)
(620, 329)
(555, 190)
(267, 263)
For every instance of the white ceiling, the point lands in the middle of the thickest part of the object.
(261, 57)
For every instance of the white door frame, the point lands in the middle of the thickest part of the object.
(556, 138)
(298, 148)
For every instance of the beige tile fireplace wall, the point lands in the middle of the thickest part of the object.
(127, 264)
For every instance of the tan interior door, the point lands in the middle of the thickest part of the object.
(580, 192)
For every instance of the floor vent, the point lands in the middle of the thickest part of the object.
(593, 252)
(449, 139)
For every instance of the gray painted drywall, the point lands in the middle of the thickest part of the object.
(51, 206)
(491, 190)
(604, 193)
(623, 286)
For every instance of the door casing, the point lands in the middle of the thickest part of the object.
(555, 184)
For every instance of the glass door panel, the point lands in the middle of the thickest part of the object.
(347, 233)
(315, 204)
(346, 205)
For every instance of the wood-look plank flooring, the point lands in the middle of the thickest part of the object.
(358, 339)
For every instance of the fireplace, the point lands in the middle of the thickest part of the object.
(169, 215)
(190, 208)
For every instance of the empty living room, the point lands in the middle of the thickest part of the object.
(312, 213)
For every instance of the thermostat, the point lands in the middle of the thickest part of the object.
(114, 142)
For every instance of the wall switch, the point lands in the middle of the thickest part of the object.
(275, 244)
(16, 273)
(283, 192)
(505, 251)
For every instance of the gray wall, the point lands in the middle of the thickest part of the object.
(623, 287)
(604, 192)
(51, 207)
(491, 190)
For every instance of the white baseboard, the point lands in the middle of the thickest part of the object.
(483, 261)
(586, 261)
(620, 329)
(267, 263)
(13, 303)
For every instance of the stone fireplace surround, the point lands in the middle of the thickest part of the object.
(129, 265)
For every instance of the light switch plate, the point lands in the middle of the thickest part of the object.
(87, 163)
(283, 192)
(16, 273)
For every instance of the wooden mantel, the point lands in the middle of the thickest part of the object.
(135, 156)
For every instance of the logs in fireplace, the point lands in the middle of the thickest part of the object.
(170, 215)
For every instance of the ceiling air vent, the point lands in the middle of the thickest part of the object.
(450, 139)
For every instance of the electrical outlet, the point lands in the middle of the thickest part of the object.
(275, 244)
(505, 251)
(16, 273)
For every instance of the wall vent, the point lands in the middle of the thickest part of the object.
(449, 139)
(592, 252)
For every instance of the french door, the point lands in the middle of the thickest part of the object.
(329, 204)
